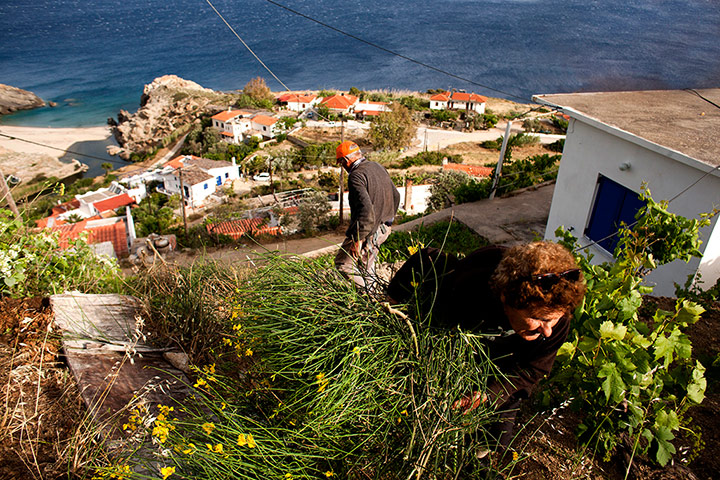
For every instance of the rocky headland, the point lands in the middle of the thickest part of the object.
(13, 99)
(167, 103)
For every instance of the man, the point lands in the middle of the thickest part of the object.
(373, 202)
(521, 298)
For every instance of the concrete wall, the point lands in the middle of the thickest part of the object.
(591, 151)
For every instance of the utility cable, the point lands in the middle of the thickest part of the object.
(691, 90)
(57, 148)
(246, 45)
(391, 52)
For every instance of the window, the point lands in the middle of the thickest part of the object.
(614, 205)
(187, 192)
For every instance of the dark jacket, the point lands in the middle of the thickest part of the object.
(373, 199)
(458, 293)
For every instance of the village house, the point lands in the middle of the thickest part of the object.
(265, 125)
(370, 109)
(470, 102)
(233, 124)
(298, 102)
(340, 103)
(617, 142)
(201, 178)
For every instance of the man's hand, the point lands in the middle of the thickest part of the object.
(354, 249)
(470, 402)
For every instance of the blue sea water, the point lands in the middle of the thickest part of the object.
(93, 57)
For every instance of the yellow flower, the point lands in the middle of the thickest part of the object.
(329, 474)
(242, 441)
(322, 382)
(209, 368)
(208, 427)
(161, 432)
(237, 327)
(200, 383)
(404, 412)
(215, 448)
(251, 441)
(191, 448)
(414, 284)
(167, 471)
(288, 476)
(227, 341)
(248, 352)
(356, 350)
(223, 405)
(515, 456)
(165, 410)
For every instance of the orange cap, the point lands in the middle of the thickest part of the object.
(346, 148)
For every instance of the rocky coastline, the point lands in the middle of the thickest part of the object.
(166, 104)
(13, 99)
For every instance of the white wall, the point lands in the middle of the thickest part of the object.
(590, 151)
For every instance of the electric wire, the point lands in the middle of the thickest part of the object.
(392, 52)
(691, 90)
(58, 148)
(246, 45)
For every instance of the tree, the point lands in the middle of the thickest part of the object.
(393, 129)
(313, 211)
(107, 166)
(257, 90)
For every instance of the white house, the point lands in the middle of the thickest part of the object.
(265, 125)
(233, 124)
(298, 102)
(616, 141)
(370, 109)
(201, 177)
(458, 101)
(340, 103)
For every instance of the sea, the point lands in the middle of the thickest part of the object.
(93, 57)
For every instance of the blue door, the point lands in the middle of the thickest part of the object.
(614, 205)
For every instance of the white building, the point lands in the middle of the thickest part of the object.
(265, 125)
(471, 102)
(298, 102)
(618, 141)
(201, 177)
(233, 124)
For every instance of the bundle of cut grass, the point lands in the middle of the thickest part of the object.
(336, 385)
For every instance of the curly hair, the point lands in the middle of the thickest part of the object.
(515, 279)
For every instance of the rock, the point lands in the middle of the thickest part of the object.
(167, 103)
(113, 150)
(13, 99)
(178, 360)
(52, 104)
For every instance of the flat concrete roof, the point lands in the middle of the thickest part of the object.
(676, 119)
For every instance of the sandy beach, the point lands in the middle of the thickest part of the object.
(60, 139)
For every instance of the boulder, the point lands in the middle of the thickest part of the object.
(13, 99)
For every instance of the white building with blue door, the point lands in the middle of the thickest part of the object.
(618, 141)
(201, 178)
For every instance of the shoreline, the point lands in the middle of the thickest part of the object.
(57, 139)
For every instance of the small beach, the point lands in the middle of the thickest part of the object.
(60, 139)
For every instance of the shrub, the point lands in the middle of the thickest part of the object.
(451, 237)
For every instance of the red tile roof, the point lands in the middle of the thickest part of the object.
(65, 207)
(468, 97)
(441, 97)
(228, 115)
(178, 162)
(474, 170)
(265, 120)
(227, 134)
(339, 102)
(293, 97)
(114, 202)
(370, 113)
(114, 233)
(237, 228)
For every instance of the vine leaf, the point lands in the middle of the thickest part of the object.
(613, 385)
(612, 331)
(698, 383)
(665, 451)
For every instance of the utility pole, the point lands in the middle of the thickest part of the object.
(498, 169)
(182, 199)
(7, 195)
(342, 172)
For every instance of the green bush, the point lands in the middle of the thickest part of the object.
(33, 264)
(428, 158)
(451, 237)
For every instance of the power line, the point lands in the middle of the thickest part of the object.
(391, 52)
(691, 90)
(246, 45)
(57, 148)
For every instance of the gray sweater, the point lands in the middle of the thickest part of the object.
(373, 199)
